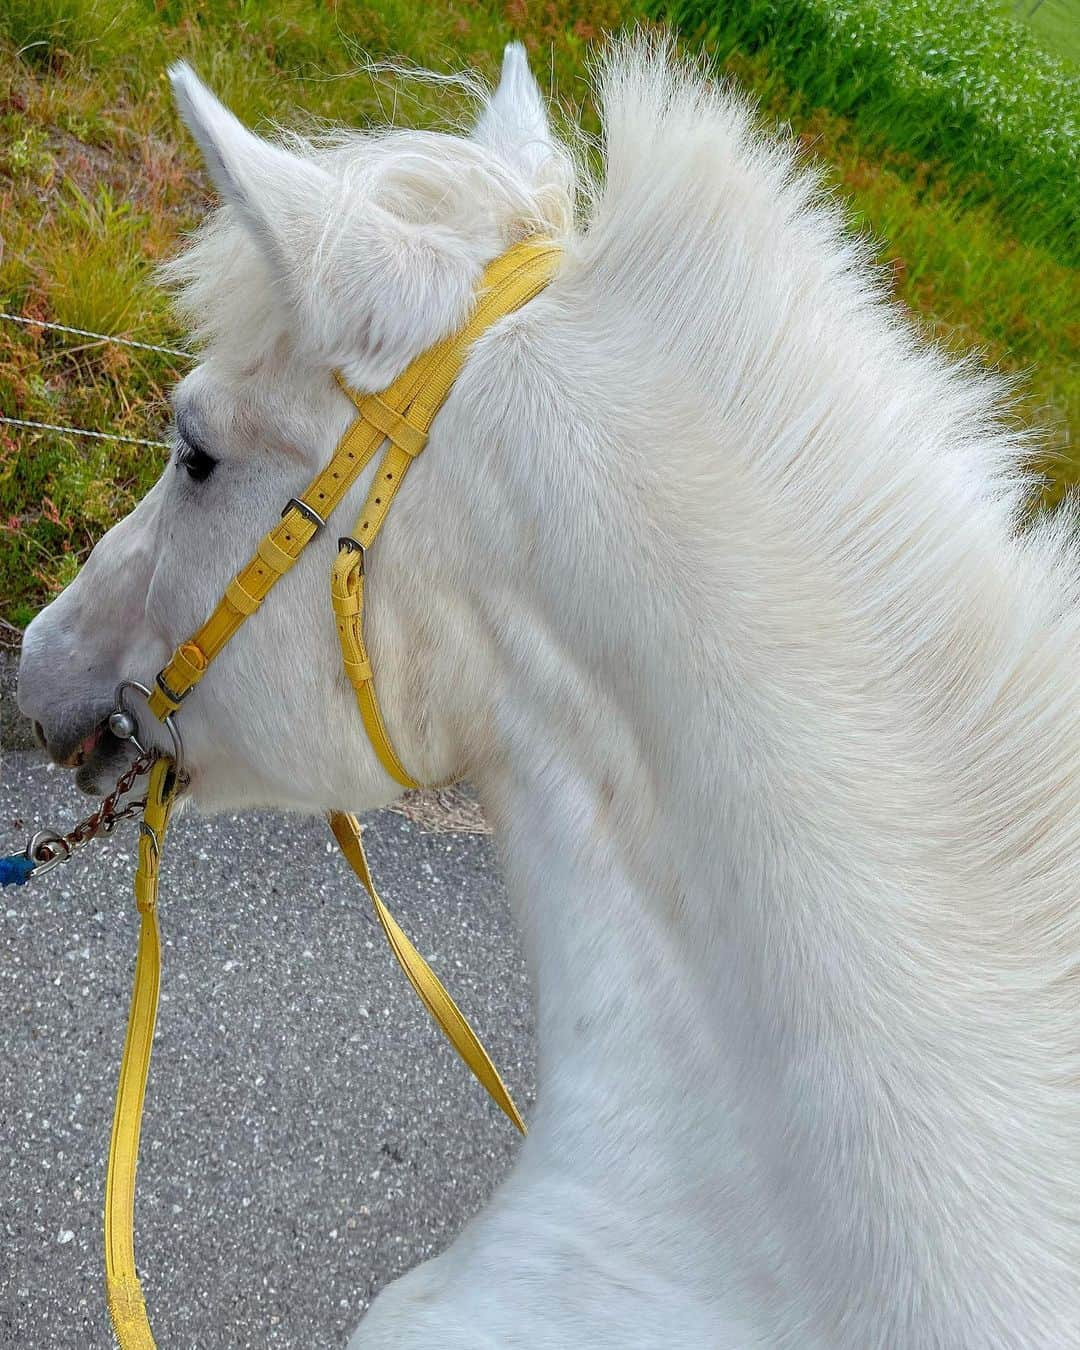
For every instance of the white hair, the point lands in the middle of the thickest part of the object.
(455, 187)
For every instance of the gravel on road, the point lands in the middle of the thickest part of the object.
(309, 1134)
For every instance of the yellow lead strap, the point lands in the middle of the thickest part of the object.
(127, 1307)
(401, 415)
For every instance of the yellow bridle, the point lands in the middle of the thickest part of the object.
(400, 416)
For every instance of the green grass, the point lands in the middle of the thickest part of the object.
(974, 283)
(97, 180)
(955, 81)
(1055, 24)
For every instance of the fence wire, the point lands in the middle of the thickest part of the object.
(101, 337)
(82, 431)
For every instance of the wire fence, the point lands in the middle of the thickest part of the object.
(100, 337)
(80, 431)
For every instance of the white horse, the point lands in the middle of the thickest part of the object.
(711, 580)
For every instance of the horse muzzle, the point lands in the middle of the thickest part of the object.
(78, 729)
(97, 755)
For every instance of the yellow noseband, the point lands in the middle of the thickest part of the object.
(400, 416)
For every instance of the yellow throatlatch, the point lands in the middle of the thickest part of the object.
(400, 416)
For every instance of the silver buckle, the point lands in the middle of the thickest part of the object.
(351, 545)
(173, 698)
(308, 512)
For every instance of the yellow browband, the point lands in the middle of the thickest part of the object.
(400, 416)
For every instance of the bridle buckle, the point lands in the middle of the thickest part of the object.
(308, 512)
(350, 545)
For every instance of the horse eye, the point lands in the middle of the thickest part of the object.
(198, 464)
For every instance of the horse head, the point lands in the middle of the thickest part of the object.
(351, 256)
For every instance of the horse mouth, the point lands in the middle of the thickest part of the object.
(98, 757)
(84, 749)
(103, 758)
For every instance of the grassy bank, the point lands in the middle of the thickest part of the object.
(955, 81)
(97, 180)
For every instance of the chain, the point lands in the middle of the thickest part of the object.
(47, 848)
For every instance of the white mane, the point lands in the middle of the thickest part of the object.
(898, 471)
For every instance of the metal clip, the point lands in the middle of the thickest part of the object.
(58, 847)
(148, 832)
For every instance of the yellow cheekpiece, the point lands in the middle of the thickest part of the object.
(400, 417)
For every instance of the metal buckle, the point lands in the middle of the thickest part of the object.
(117, 726)
(351, 545)
(172, 697)
(308, 512)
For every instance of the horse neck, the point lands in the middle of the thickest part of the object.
(766, 971)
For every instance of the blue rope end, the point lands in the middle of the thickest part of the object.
(15, 871)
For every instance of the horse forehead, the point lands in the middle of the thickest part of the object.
(221, 410)
(228, 396)
(206, 395)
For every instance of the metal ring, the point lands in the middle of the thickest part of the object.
(308, 512)
(168, 719)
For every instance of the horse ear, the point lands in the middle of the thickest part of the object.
(371, 289)
(269, 186)
(514, 123)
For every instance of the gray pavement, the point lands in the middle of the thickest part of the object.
(309, 1135)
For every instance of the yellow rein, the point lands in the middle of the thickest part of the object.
(400, 416)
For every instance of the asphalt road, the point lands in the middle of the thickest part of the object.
(309, 1135)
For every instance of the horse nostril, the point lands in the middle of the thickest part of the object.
(39, 736)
